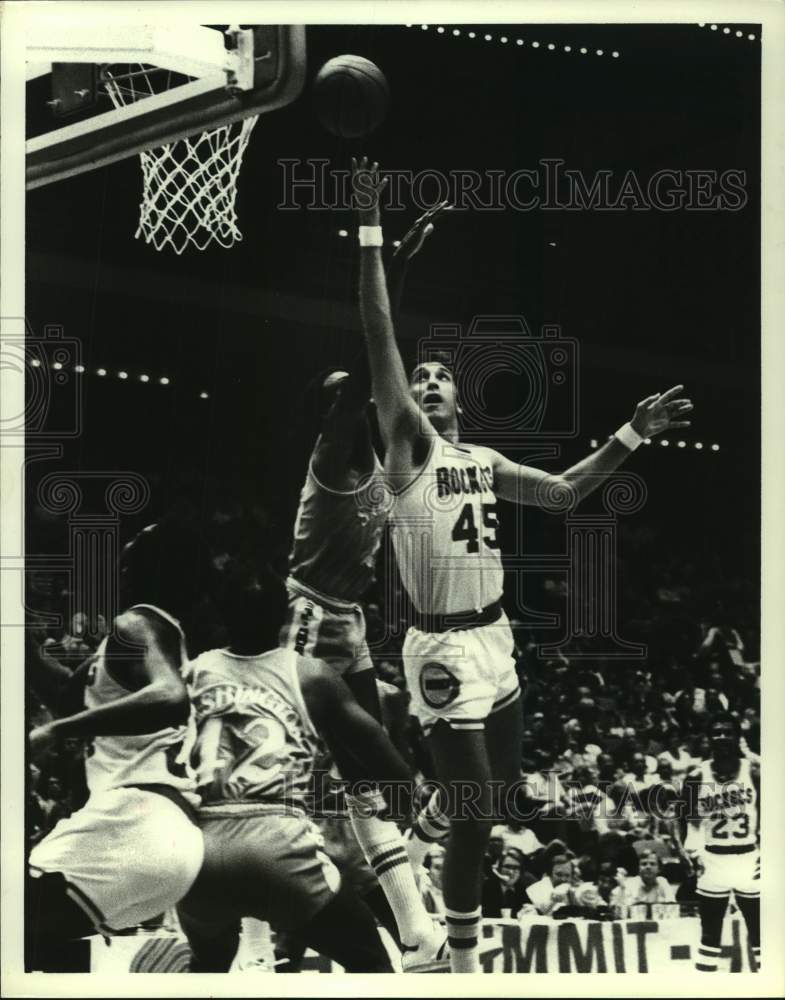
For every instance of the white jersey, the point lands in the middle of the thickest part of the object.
(728, 810)
(444, 525)
(159, 758)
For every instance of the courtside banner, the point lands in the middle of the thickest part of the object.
(538, 945)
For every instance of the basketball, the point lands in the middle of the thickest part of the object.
(350, 96)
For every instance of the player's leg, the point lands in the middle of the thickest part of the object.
(385, 851)
(463, 767)
(504, 725)
(750, 910)
(490, 649)
(503, 738)
(53, 921)
(362, 684)
(380, 839)
(711, 910)
(747, 892)
(213, 944)
(345, 931)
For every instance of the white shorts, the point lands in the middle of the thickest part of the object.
(328, 629)
(127, 855)
(724, 873)
(460, 676)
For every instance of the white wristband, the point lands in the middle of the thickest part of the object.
(628, 436)
(371, 236)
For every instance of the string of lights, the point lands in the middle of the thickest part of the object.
(120, 374)
(666, 443)
(518, 41)
(727, 29)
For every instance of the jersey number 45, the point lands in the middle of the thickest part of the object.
(465, 528)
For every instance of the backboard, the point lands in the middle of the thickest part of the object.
(202, 77)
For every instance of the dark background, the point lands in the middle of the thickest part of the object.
(653, 298)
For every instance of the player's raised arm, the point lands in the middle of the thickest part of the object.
(339, 445)
(657, 413)
(160, 699)
(400, 420)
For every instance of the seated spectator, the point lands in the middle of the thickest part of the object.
(431, 888)
(647, 887)
(504, 890)
(608, 880)
(555, 889)
(494, 850)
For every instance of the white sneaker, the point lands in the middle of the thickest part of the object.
(431, 954)
(255, 965)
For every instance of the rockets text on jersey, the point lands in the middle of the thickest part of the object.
(444, 531)
(728, 810)
(159, 758)
(263, 745)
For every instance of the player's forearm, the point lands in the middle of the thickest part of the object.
(154, 707)
(388, 376)
(396, 279)
(585, 476)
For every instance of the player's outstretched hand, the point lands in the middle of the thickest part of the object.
(41, 739)
(661, 412)
(420, 231)
(367, 188)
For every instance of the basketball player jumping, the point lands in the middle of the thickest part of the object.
(721, 806)
(260, 714)
(134, 849)
(458, 657)
(337, 534)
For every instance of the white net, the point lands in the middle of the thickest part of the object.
(189, 186)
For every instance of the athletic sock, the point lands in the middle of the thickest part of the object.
(256, 943)
(463, 939)
(430, 827)
(708, 957)
(384, 850)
